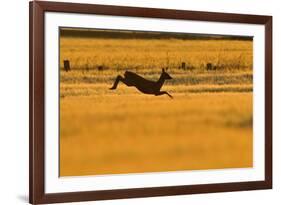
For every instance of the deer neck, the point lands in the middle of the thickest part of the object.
(161, 81)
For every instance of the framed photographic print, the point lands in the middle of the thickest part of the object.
(139, 102)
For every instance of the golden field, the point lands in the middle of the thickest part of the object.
(120, 54)
(208, 124)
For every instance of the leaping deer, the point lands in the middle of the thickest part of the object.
(142, 84)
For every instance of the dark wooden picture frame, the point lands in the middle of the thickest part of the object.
(37, 193)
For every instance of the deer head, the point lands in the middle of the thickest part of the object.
(165, 75)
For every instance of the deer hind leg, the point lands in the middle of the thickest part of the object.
(118, 79)
(162, 93)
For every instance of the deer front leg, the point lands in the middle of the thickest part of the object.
(162, 93)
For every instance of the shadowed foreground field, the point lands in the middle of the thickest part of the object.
(208, 124)
(125, 132)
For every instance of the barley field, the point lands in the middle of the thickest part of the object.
(207, 124)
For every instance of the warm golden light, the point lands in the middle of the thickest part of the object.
(207, 124)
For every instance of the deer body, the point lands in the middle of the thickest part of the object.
(142, 84)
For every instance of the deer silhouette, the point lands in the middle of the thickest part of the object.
(142, 84)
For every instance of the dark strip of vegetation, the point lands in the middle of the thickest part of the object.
(179, 80)
(213, 79)
(120, 34)
(222, 89)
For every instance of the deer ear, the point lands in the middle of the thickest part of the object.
(163, 70)
(166, 68)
